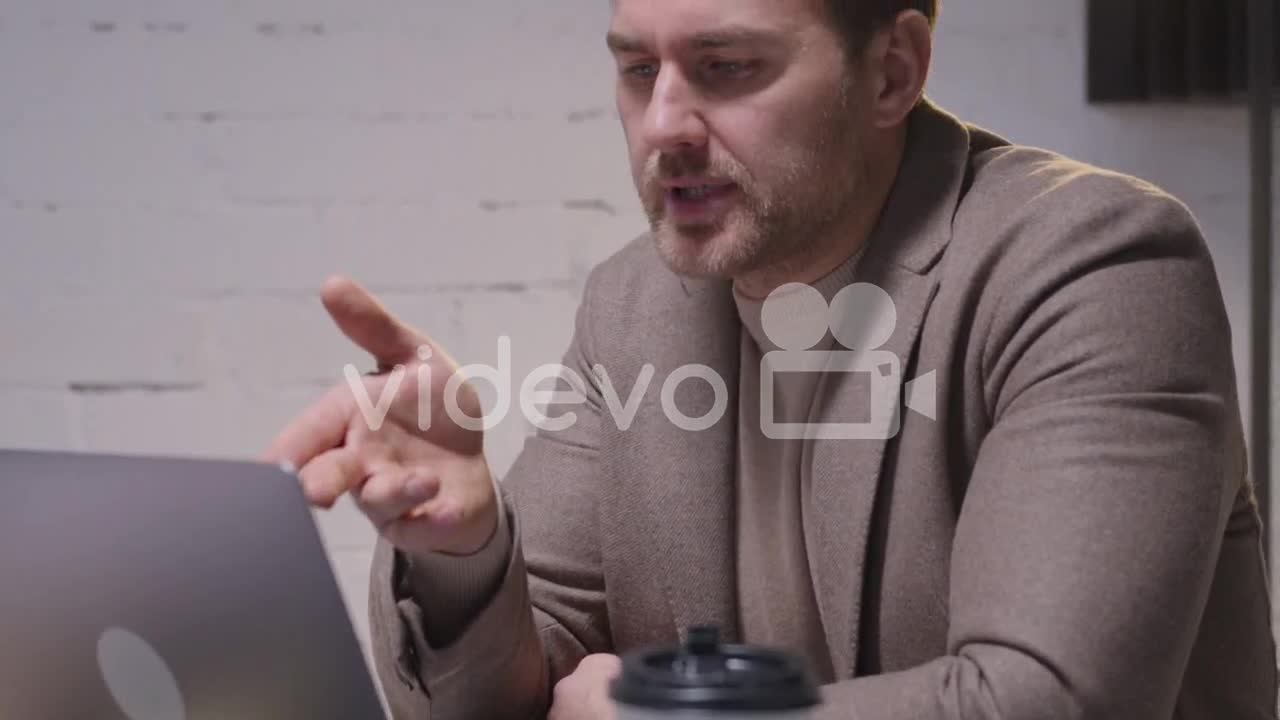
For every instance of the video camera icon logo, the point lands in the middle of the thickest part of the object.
(861, 318)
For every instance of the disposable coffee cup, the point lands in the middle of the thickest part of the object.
(707, 680)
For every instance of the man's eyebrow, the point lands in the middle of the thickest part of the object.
(730, 36)
(618, 42)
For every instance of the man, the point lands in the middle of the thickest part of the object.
(1067, 533)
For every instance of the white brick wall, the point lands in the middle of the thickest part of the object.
(176, 179)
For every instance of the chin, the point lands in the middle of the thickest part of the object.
(704, 251)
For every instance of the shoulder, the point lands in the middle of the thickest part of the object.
(633, 284)
(1085, 268)
(628, 292)
(632, 268)
(1034, 202)
(1032, 222)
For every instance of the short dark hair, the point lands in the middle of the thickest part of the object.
(857, 20)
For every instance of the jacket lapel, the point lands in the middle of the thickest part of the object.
(913, 230)
(685, 476)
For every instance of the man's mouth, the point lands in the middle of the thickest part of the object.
(699, 202)
(699, 192)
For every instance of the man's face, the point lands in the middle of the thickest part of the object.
(741, 126)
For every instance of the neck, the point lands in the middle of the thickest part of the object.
(845, 238)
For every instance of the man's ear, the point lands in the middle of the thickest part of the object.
(898, 57)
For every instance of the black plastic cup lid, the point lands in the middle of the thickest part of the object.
(708, 675)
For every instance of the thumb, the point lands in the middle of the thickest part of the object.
(369, 324)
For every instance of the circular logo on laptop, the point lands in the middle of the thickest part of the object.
(138, 678)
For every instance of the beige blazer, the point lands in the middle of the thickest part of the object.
(1072, 537)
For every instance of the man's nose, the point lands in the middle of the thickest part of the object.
(673, 120)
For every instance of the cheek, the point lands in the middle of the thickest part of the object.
(637, 159)
(754, 140)
(637, 152)
(783, 139)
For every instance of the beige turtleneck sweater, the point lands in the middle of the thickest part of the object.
(776, 594)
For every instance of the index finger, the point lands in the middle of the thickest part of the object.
(321, 426)
(369, 324)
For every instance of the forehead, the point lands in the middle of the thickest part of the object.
(674, 22)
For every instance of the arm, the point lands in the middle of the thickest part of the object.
(1093, 518)
(516, 626)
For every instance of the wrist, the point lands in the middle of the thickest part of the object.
(477, 532)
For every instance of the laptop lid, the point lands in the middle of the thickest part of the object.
(148, 588)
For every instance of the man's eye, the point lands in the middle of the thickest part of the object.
(641, 71)
(731, 68)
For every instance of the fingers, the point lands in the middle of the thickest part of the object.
(331, 473)
(369, 324)
(320, 427)
(325, 423)
(602, 664)
(393, 492)
(584, 693)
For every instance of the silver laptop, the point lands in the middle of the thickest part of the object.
(144, 588)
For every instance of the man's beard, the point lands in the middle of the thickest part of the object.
(774, 225)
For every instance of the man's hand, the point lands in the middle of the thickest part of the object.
(426, 490)
(584, 694)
